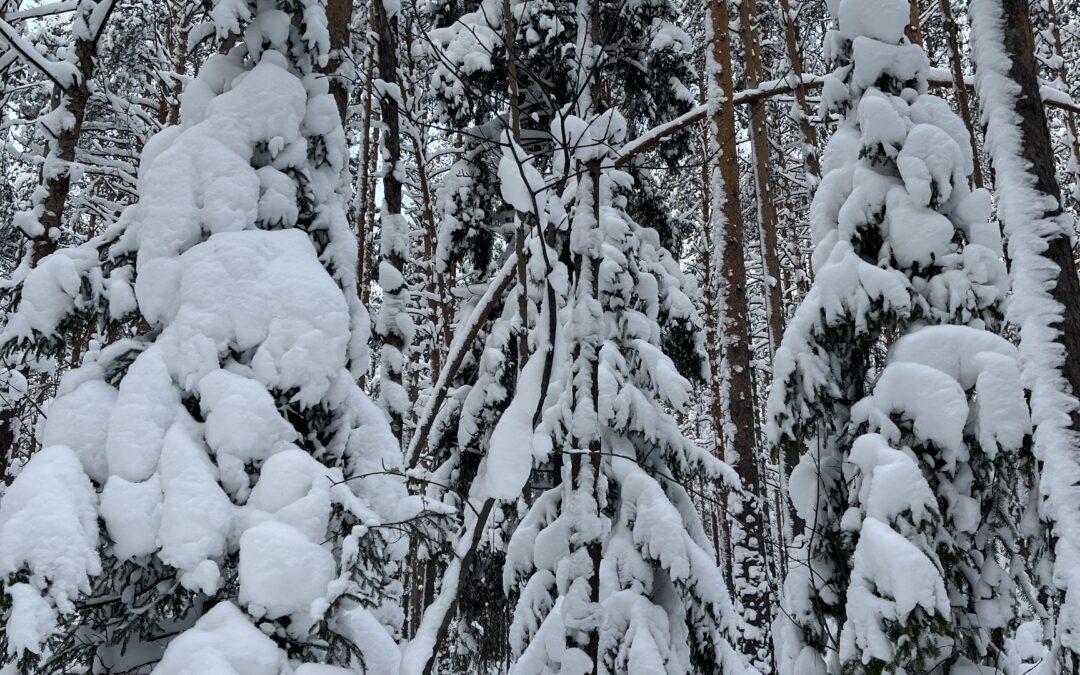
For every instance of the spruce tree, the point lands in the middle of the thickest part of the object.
(891, 383)
(218, 474)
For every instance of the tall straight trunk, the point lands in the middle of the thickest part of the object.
(585, 461)
(1038, 153)
(180, 15)
(766, 207)
(806, 129)
(434, 282)
(748, 528)
(768, 221)
(955, 63)
(393, 323)
(520, 218)
(1044, 278)
(721, 531)
(914, 28)
(364, 183)
(367, 244)
(1063, 75)
(72, 98)
(339, 25)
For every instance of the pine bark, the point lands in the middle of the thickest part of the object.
(748, 538)
(1038, 152)
(759, 142)
(718, 518)
(806, 129)
(394, 293)
(961, 91)
(1063, 75)
(364, 184)
(56, 180)
(339, 24)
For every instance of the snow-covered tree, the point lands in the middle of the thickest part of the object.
(213, 491)
(1045, 284)
(612, 561)
(499, 388)
(914, 467)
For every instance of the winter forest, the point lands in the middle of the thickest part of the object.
(576, 337)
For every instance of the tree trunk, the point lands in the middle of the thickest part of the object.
(806, 129)
(914, 28)
(759, 142)
(56, 181)
(1038, 152)
(953, 42)
(339, 25)
(181, 16)
(394, 318)
(1063, 75)
(364, 199)
(748, 528)
(718, 517)
(1045, 282)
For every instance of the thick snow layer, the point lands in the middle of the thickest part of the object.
(880, 123)
(874, 60)
(981, 360)
(520, 183)
(918, 234)
(48, 524)
(203, 180)
(892, 481)
(49, 293)
(132, 515)
(890, 578)
(241, 417)
(381, 653)
(222, 642)
(936, 111)
(932, 401)
(1002, 418)
(79, 419)
(931, 164)
(30, 622)
(294, 488)
(879, 19)
(510, 453)
(144, 410)
(954, 350)
(282, 572)
(196, 515)
(261, 291)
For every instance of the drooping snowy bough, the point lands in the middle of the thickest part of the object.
(906, 407)
(236, 470)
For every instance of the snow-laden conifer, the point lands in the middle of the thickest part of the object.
(218, 475)
(914, 460)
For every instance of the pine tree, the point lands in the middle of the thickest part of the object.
(225, 446)
(914, 461)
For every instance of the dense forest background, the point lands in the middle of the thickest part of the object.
(595, 318)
